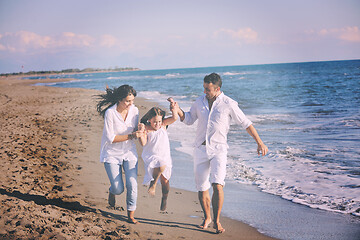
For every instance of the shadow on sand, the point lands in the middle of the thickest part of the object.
(76, 206)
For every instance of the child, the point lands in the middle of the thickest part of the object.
(156, 149)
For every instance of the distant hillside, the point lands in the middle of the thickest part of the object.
(73, 70)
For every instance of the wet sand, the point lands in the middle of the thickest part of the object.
(54, 187)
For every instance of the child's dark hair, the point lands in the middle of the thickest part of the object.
(113, 96)
(155, 111)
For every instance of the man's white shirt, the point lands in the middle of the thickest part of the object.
(213, 125)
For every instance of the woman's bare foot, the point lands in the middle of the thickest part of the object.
(205, 223)
(152, 187)
(131, 218)
(163, 203)
(219, 228)
(111, 200)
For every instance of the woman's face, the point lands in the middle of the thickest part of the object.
(127, 102)
(156, 122)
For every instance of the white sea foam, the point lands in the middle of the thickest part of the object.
(234, 73)
(152, 95)
(166, 76)
(289, 174)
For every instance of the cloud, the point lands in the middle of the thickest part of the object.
(72, 39)
(246, 35)
(23, 41)
(347, 34)
(108, 41)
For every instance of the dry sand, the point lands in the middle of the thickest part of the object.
(54, 187)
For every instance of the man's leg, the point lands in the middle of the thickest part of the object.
(202, 173)
(217, 179)
(217, 203)
(204, 198)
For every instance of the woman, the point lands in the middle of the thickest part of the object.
(118, 150)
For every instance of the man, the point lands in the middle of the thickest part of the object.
(214, 110)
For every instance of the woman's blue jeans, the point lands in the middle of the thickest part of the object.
(114, 172)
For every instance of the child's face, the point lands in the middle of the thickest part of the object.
(156, 122)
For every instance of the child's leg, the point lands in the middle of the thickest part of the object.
(156, 174)
(165, 187)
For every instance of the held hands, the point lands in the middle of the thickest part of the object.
(174, 107)
(141, 130)
(139, 133)
(141, 127)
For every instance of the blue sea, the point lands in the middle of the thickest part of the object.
(308, 114)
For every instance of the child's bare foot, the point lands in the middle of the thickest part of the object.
(205, 223)
(152, 187)
(219, 228)
(163, 203)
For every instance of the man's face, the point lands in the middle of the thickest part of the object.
(211, 90)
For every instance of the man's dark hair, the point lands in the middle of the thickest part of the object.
(213, 78)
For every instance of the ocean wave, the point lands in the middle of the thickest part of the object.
(273, 118)
(289, 173)
(153, 95)
(166, 76)
(233, 73)
(114, 78)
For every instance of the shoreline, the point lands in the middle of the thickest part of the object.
(54, 185)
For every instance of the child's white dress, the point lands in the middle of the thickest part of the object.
(156, 153)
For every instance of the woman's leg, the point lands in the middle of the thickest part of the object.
(156, 174)
(130, 170)
(114, 173)
(165, 187)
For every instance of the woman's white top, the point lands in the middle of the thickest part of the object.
(114, 124)
(156, 153)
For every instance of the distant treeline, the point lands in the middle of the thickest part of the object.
(72, 70)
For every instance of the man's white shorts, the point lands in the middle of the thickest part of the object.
(208, 170)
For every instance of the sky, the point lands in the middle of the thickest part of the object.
(42, 35)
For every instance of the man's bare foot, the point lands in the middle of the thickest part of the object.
(219, 228)
(205, 224)
(111, 200)
(163, 203)
(152, 187)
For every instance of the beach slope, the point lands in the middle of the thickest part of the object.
(53, 186)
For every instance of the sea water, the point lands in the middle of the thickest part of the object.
(308, 114)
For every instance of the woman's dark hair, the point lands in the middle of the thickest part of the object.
(155, 111)
(113, 96)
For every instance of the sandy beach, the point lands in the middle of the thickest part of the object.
(54, 187)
